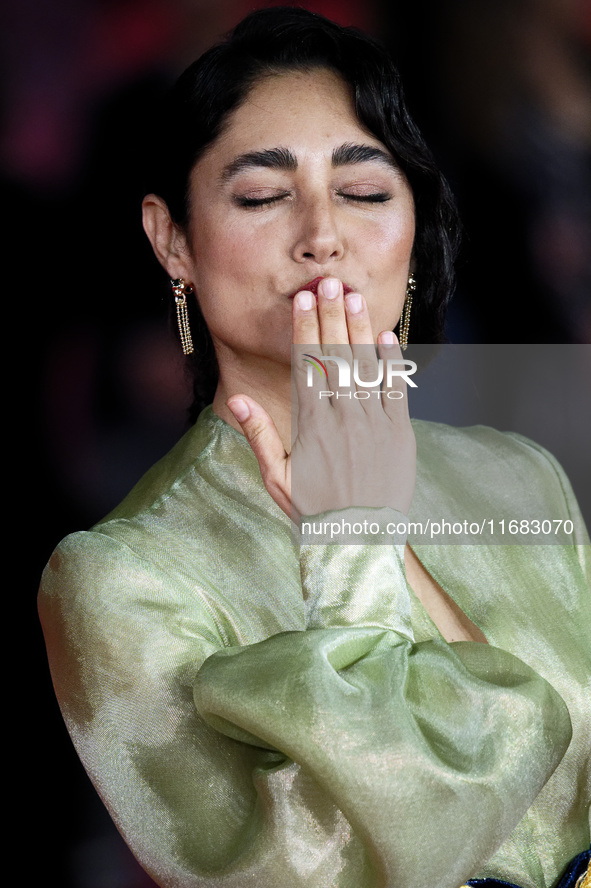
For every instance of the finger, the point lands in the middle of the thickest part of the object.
(313, 377)
(306, 328)
(364, 352)
(395, 406)
(331, 313)
(358, 321)
(306, 351)
(334, 335)
(311, 388)
(262, 435)
(394, 387)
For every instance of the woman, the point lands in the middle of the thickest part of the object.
(253, 711)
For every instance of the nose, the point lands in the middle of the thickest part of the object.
(318, 236)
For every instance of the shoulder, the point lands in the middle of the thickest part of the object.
(514, 476)
(108, 611)
(476, 437)
(191, 499)
(152, 554)
(480, 447)
(173, 511)
(96, 579)
(161, 481)
(93, 560)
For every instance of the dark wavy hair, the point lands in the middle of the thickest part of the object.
(282, 39)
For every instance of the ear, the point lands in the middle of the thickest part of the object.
(168, 240)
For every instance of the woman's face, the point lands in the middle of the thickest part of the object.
(295, 189)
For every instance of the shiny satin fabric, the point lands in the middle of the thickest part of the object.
(255, 714)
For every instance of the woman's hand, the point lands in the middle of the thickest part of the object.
(354, 448)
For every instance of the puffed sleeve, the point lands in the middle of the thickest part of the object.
(342, 755)
(432, 751)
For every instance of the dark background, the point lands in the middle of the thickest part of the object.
(502, 89)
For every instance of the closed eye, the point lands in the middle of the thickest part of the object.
(377, 197)
(253, 202)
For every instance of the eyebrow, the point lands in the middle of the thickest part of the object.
(271, 158)
(350, 153)
(284, 159)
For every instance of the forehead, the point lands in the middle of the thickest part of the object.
(308, 112)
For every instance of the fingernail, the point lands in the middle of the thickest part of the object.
(305, 300)
(330, 288)
(387, 338)
(354, 303)
(240, 409)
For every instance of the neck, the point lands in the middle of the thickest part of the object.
(269, 384)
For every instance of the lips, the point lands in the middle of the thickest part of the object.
(312, 286)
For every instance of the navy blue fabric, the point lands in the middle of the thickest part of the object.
(573, 872)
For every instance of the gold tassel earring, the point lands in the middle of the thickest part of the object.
(181, 291)
(405, 316)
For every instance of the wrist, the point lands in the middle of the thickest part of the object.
(354, 525)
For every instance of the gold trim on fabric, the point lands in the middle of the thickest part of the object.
(584, 881)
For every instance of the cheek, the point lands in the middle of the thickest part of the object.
(388, 256)
(229, 275)
(396, 238)
(228, 254)
(391, 246)
(218, 261)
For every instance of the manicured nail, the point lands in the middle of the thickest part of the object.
(240, 409)
(354, 303)
(387, 338)
(305, 300)
(330, 288)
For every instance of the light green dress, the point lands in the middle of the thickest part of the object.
(259, 716)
